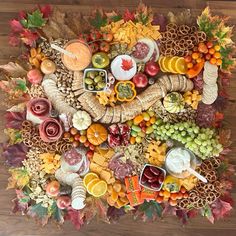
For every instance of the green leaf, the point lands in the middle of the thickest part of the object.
(98, 21)
(39, 211)
(116, 18)
(34, 20)
(21, 85)
(158, 209)
(56, 213)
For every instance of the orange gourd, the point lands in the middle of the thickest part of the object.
(193, 72)
(97, 134)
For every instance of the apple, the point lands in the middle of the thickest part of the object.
(34, 76)
(63, 202)
(53, 188)
(151, 68)
(140, 80)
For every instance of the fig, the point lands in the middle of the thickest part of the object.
(155, 170)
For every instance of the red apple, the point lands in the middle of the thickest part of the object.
(140, 80)
(63, 202)
(52, 188)
(151, 68)
(34, 76)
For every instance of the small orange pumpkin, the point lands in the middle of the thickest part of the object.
(97, 134)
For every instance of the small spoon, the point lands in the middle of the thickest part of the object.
(62, 50)
(195, 173)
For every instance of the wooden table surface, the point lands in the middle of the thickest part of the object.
(18, 225)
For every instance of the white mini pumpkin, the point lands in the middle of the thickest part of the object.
(81, 120)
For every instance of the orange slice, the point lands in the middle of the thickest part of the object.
(160, 61)
(91, 184)
(99, 188)
(181, 66)
(171, 64)
(88, 177)
(165, 64)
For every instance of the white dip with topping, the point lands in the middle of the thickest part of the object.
(178, 160)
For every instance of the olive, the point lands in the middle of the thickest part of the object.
(88, 81)
(92, 74)
(97, 88)
(101, 85)
(90, 87)
(102, 73)
(98, 79)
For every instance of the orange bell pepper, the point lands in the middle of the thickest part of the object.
(125, 97)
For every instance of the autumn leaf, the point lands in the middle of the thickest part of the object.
(19, 178)
(46, 10)
(15, 154)
(13, 40)
(99, 20)
(206, 212)
(127, 64)
(14, 70)
(56, 213)
(128, 15)
(14, 119)
(161, 20)
(21, 202)
(16, 26)
(34, 20)
(39, 213)
(113, 16)
(28, 37)
(75, 217)
(220, 209)
(14, 135)
(18, 107)
(143, 14)
(224, 137)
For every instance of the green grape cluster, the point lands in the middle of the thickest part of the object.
(201, 141)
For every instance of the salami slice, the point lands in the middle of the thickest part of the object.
(141, 50)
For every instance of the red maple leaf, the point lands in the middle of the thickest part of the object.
(46, 10)
(220, 209)
(22, 15)
(127, 64)
(128, 15)
(16, 26)
(29, 37)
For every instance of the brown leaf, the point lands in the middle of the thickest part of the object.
(181, 18)
(56, 26)
(14, 70)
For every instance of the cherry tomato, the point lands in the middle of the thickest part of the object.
(107, 37)
(84, 38)
(89, 154)
(209, 44)
(94, 47)
(87, 143)
(91, 147)
(95, 35)
(188, 59)
(104, 46)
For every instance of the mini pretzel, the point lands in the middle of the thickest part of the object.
(184, 29)
(201, 36)
(193, 29)
(183, 203)
(171, 26)
(170, 52)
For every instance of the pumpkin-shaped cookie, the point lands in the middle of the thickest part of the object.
(97, 134)
(81, 120)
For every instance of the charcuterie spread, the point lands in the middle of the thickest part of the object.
(118, 113)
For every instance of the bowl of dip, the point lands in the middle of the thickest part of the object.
(81, 51)
(177, 159)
